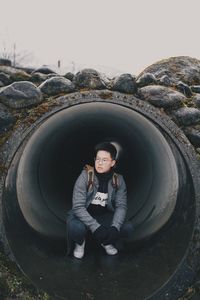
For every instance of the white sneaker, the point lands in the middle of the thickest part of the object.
(110, 249)
(79, 250)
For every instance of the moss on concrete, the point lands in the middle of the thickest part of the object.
(14, 285)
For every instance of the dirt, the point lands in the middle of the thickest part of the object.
(14, 285)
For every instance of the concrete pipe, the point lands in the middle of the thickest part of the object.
(162, 174)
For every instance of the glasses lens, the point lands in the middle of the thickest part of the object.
(102, 160)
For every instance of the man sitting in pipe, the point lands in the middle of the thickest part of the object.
(99, 204)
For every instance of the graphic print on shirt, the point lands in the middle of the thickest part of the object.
(100, 199)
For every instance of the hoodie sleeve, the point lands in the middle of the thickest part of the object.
(79, 202)
(120, 204)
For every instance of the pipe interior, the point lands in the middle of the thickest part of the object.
(38, 191)
(60, 147)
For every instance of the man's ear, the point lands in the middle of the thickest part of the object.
(113, 162)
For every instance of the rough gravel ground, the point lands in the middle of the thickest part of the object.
(14, 285)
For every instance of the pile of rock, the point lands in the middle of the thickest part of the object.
(172, 85)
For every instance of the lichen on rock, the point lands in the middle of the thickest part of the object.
(187, 116)
(20, 94)
(181, 68)
(124, 83)
(56, 85)
(89, 78)
(161, 96)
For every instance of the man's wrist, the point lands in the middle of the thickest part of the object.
(94, 227)
(115, 226)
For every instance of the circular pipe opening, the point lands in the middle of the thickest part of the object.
(38, 193)
(59, 148)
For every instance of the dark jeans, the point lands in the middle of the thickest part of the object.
(76, 230)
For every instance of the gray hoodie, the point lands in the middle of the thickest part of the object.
(117, 201)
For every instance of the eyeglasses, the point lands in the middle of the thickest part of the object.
(102, 160)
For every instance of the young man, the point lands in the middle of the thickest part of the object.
(101, 208)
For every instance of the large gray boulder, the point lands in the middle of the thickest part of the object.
(69, 75)
(184, 88)
(146, 79)
(161, 96)
(165, 80)
(15, 74)
(125, 83)
(5, 78)
(20, 75)
(187, 116)
(90, 79)
(181, 68)
(44, 70)
(57, 85)
(38, 77)
(20, 94)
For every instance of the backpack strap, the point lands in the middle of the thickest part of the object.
(90, 179)
(115, 181)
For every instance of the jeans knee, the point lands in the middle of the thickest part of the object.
(127, 229)
(77, 230)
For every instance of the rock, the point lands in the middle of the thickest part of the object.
(15, 74)
(106, 80)
(1, 84)
(161, 96)
(57, 85)
(184, 88)
(6, 119)
(187, 116)
(146, 79)
(53, 75)
(20, 94)
(181, 68)
(196, 100)
(124, 83)
(42, 77)
(28, 70)
(165, 80)
(193, 135)
(5, 62)
(20, 76)
(44, 70)
(195, 88)
(69, 76)
(5, 78)
(90, 79)
(38, 77)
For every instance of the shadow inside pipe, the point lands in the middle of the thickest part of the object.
(38, 193)
(58, 150)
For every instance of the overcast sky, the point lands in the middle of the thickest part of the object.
(124, 35)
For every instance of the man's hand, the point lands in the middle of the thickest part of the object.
(112, 235)
(101, 234)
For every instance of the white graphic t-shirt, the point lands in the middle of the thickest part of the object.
(100, 199)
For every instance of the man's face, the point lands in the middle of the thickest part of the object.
(103, 161)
